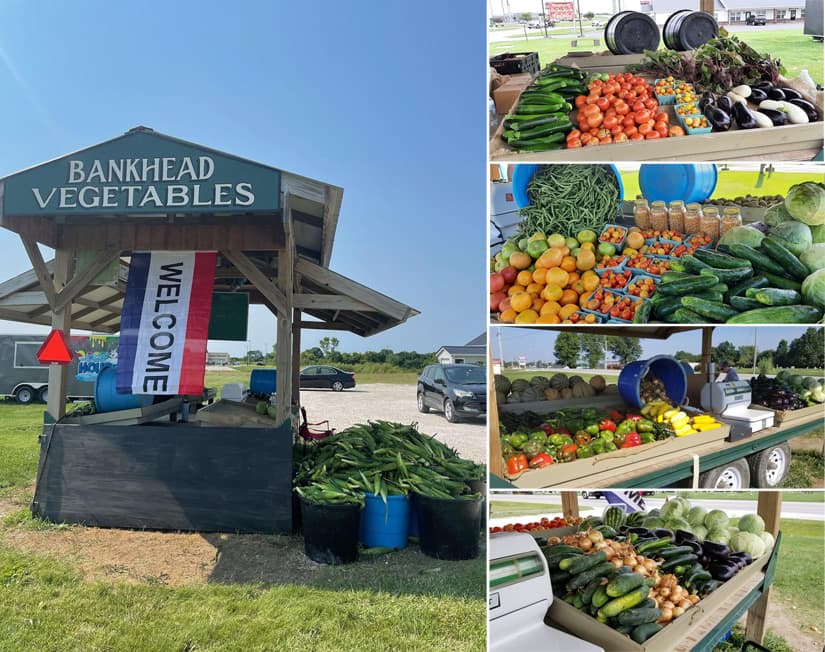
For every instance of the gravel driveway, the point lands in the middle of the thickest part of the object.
(393, 403)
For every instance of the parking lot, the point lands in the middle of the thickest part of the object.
(393, 403)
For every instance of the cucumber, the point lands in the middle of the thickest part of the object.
(670, 275)
(576, 565)
(681, 560)
(538, 132)
(777, 297)
(666, 306)
(685, 316)
(627, 601)
(721, 288)
(622, 570)
(683, 286)
(719, 260)
(553, 561)
(697, 578)
(639, 616)
(693, 264)
(538, 145)
(673, 551)
(583, 579)
(745, 303)
(653, 544)
(624, 584)
(643, 632)
(778, 315)
(776, 281)
(758, 260)
(779, 253)
(643, 312)
(739, 289)
(624, 629)
(600, 597)
(559, 548)
(729, 275)
(677, 266)
(649, 603)
(717, 312)
(590, 589)
(531, 123)
(710, 295)
(559, 577)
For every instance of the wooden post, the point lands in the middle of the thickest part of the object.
(286, 276)
(769, 507)
(496, 462)
(570, 504)
(296, 357)
(707, 344)
(62, 320)
(706, 6)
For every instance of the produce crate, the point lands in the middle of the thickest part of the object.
(583, 313)
(793, 416)
(637, 277)
(681, 634)
(619, 245)
(511, 63)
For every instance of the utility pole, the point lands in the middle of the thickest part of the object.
(500, 348)
(579, 11)
(543, 19)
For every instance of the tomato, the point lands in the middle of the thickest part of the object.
(609, 112)
(594, 120)
(596, 83)
(651, 104)
(610, 121)
(637, 136)
(591, 109)
(620, 138)
(586, 138)
(676, 130)
(662, 117)
(661, 129)
(574, 134)
(629, 120)
(645, 129)
(638, 105)
(580, 100)
(640, 88)
(621, 107)
(594, 141)
(602, 103)
(594, 131)
(652, 135)
(603, 133)
(632, 129)
(618, 129)
(574, 143)
(606, 140)
(591, 99)
(611, 99)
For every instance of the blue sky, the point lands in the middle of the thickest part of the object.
(383, 99)
(538, 345)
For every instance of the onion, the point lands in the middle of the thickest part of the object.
(553, 541)
(640, 569)
(629, 561)
(650, 565)
(667, 615)
(617, 563)
(685, 604)
(693, 598)
(601, 545)
(586, 544)
(664, 591)
(678, 611)
(595, 535)
(609, 553)
(667, 604)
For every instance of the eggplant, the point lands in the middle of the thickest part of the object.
(709, 587)
(763, 85)
(807, 107)
(725, 103)
(760, 226)
(718, 119)
(641, 531)
(684, 535)
(791, 94)
(757, 95)
(741, 555)
(715, 550)
(776, 94)
(777, 117)
(723, 571)
(660, 533)
(697, 547)
(744, 118)
(706, 100)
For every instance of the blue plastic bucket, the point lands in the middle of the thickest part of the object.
(108, 400)
(664, 367)
(523, 172)
(262, 381)
(690, 182)
(385, 525)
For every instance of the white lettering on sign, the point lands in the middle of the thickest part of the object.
(132, 183)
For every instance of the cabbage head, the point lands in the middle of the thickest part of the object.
(745, 235)
(768, 540)
(673, 509)
(696, 515)
(813, 289)
(818, 233)
(678, 524)
(813, 257)
(777, 214)
(700, 532)
(749, 543)
(806, 202)
(719, 536)
(716, 518)
(796, 236)
(752, 523)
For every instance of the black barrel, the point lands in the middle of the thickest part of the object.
(687, 30)
(631, 32)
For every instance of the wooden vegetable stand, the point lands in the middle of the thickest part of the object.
(662, 463)
(273, 232)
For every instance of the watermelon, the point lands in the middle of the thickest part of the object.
(614, 516)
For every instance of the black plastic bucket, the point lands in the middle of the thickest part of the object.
(448, 526)
(688, 30)
(331, 531)
(480, 486)
(631, 32)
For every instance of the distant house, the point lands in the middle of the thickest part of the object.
(217, 359)
(729, 11)
(473, 352)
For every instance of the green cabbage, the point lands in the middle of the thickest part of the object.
(700, 532)
(806, 202)
(749, 543)
(719, 536)
(696, 515)
(818, 233)
(814, 257)
(796, 236)
(813, 289)
(678, 524)
(768, 540)
(653, 522)
(776, 214)
(752, 523)
(745, 235)
(716, 520)
(673, 509)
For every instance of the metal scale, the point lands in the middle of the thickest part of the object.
(520, 594)
(730, 402)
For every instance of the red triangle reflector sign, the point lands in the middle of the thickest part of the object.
(55, 349)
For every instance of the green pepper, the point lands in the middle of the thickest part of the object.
(584, 451)
(582, 438)
(592, 429)
(607, 435)
(538, 435)
(598, 446)
(609, 447)
(532, 448)
(519, 439)
(559, 440)
(507, 450)
(645, 425)
(647, 437)
(625, 427)
(537, 247)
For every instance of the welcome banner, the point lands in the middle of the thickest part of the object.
(165, 322)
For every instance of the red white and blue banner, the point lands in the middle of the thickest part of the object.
(165, 322)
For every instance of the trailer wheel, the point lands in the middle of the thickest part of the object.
(733, 475)
(43, 396)
(24, 395)
(770, 467)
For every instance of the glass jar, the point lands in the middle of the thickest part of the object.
(710, 222)
(676, 215)
(693, 218)
(641, 213)
(731, 217)
(658, 216)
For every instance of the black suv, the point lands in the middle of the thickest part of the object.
(755, 20)
(459, 390)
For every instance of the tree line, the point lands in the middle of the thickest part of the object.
(576, 349)
(806, 351)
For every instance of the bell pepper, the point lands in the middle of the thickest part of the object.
(598, 446)
(519, 439)
(582, 438)
(538, 434)
(563, 430)
(560, 440)
(516, 464)
(548, 429)
(532, 448)
(633, 417)
(607, 424)
(540, 461)
(647, 437)
(625, 427)
(645, 425)
(632, 439)
(507, 450)
(610, 446)
(592, 429)
(607, 435)
(568, 452)
(584, 451)
(616, 415)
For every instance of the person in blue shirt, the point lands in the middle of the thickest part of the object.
(730, 372)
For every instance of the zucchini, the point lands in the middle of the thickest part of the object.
(779, 315)
(576, 565)
(627, 601)
(553, 561)
(673, 562)
(693, 264)
(538, 132)
(697, 578)
(745, 303)
(719, 260)
(778, 252)
(643, 312)
(531, 123)
(717, 312)
(654, 544)
(683, 286)
(559, 577)
(643, 632)
(650, 602)
(578, 601)
(624, 629)
(600, 597)
(776, 296)
(685, 316)
(670, 275)
(639, 616)
(776, 281)
(739, 289)
(666, 306)
(583, 579)
(673, 551)
(624, 584)
(729, 275)
(758, 260)
(710, 295)
(538, 145)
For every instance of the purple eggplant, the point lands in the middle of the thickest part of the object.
(714, 550)
(725, 103)
(777, 117)
(741, 555)
(717, 117)
(791, 94)
(723, 571)
(807, 107)
(777, 94)
(757, 95)
(744, 118)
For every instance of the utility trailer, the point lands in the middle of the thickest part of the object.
(23, 378)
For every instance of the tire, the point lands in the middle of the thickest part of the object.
(734, 475)
(770, 467)
(25, 395)
(43, 395)
(422, 407)
(449, 412)
(337, 386)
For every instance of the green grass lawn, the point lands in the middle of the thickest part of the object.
(787, 496)
(511, 509)
(19, 450)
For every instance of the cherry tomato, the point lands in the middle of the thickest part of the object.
(580, 100)
(652, 135)
(610, 121)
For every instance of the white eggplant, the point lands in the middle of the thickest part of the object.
(762, 120)
(795, 114)
(736, 97)
(742, 91)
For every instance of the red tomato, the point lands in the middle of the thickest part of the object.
(651, 104)
(676, 130)
(661, 129)
(642, 116)
(590, 109)
(637, 106)
(609, 112)
(662, 117)
(606, 140)
(637, 136)
(594, 141)
(620, 138)
(610, 121)
(594, 120)
(586, 138)
(652, 135)
(621, 107)
(618, 129)
(611, 99)
(629, 120)
(580, 100)
(640, 88)
(603, 133)
(496, 283)
(591, 99)
(574, 134)
(632, 129)
(645, 129)
(574, 143)
(602, 103)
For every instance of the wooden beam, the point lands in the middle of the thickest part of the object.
(286, 283)
(32, 298)
(325, 326)
(329, 302)
(707, 345)
(39, 266)
(769, 507)
(265, 285)
(570, 504)
(45, 320)
(81, 279)
(296, 357)
(61, 320)
(496, 461)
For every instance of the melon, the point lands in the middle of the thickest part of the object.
(261, 406)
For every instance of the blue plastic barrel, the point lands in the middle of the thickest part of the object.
(664, 367)
(107, 398)
(523, 172)
(688, 368)
(690, 182)
(385, 525)
(262, 381)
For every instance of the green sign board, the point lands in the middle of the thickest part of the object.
(228, 320)
(142, 172)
